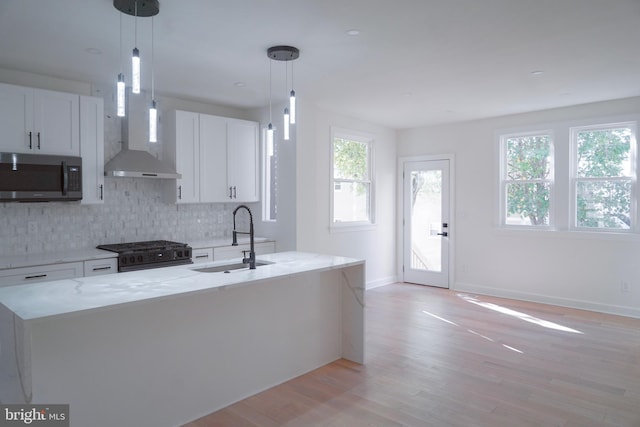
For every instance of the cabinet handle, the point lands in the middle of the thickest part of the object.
(38, 140)
(30, 140)
(230, 192)
(102, 268)
(179, 192)
(101, 192)
(202, 256)
(234, 192)
(36, 276)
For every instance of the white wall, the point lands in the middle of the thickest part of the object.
(565, 268)
(284, 228)
(376, 246)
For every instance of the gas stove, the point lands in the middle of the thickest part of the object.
(150, 254)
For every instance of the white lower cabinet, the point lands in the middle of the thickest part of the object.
(41, 273)
(202, 255)
(233, 252)
(97, 267)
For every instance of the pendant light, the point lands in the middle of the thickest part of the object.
(292, 100)
(136, 8)
(135, 57)
(120, 87)
(270, 127)
(153, 111)
(286, 53)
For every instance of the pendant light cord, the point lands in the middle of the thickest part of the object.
(135, 24)
(152, 62)
(120, 52)
(270, 61)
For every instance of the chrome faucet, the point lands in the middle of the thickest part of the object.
(252, 254)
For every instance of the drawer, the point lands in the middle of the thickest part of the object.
(97, 267)
(41, 273)
(202, 255)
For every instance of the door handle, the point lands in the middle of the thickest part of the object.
(443, 234)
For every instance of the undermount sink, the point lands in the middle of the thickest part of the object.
(227, 268)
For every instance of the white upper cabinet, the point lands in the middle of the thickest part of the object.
(182, 148)
(39, 121)
(92, 149)
(15, 102)
(242, 160)
(217, 157)
(213, 159)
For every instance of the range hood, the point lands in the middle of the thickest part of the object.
(134, 161)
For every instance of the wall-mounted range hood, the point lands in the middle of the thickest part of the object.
(134, 161)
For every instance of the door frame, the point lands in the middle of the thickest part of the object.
(400, 212)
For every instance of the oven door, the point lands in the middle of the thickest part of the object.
(39, 178)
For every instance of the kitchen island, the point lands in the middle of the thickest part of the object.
(165, 346)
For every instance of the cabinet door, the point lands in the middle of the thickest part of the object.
(242, 160)
(42, 273)
(92, 149)
(16, 118)
(98, 267)
(199, 256)
(187, 152)
(213, 159)
(56, 116)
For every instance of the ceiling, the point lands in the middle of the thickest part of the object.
(414, 62)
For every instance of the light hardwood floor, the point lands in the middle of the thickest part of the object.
(441, 358)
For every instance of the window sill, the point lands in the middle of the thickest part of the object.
(579, 234)
(346, 227)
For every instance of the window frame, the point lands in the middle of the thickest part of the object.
(504, 181)
(361, 137)
(574, 179)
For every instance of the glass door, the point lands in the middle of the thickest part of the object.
(426, 222)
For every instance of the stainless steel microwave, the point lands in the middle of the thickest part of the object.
(40, 178)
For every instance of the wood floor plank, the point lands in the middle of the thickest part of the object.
(437, 357)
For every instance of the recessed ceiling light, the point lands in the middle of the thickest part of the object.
(353, 32)
(239, 84)
(537, 72)
(93, 50)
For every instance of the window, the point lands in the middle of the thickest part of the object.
(351, 185)
(603, 174)
(527, 179)
(269, 178)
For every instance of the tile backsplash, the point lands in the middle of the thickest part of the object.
(133, 211)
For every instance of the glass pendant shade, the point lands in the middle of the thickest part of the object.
(286, 124)
(153, 122)
(270, 137)
(120, 98)
(135, 71)
(292, 107)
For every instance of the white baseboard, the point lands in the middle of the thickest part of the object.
(546, 299)
(381, 282)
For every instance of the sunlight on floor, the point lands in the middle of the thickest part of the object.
(519, 315)
(471, 331)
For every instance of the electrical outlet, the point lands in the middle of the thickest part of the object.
(32, 227)
(624, 286)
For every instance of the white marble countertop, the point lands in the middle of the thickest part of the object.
(40, 301)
